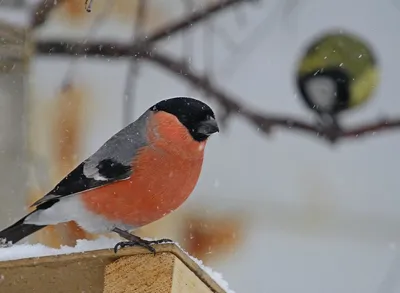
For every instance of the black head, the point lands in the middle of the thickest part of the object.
(195, 115)
(326, 91)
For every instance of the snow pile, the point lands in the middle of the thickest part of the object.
(19, 251)
(217, 277)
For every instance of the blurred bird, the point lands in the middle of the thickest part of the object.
(337, 72)
(142, 173)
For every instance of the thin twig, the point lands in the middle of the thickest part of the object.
(240, 17)
(263, 121)
(43, 9)
(224, 37)
(133, 74)
(111, 50)
(231, 105)
(244, 50)
(94, 27)
(88, 5)
(188, 39)
(193, 18)
(208, 47)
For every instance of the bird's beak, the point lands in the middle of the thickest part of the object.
(208, 127)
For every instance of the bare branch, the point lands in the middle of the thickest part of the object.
(194, 18)
(94, 27)
(263, 121)
(188, 39)
(134, 66)
(111, 50)
(231, 105)
(244, 50)
(44, 8)
(372, 128)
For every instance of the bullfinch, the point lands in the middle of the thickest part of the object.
(142, 173)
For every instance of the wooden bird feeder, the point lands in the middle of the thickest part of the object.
(130, 270)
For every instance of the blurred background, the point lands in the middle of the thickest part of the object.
(273, 213)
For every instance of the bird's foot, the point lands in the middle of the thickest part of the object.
(142, 243)
(134, 240)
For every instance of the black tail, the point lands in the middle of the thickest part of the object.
(18, 231)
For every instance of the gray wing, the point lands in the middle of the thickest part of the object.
(112, 162)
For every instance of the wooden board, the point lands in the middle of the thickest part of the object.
(130, 270)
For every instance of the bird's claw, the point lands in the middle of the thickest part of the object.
(147, 244)
(124, 244)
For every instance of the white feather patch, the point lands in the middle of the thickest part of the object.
(98, 177)
(72, 208)
(322, 92)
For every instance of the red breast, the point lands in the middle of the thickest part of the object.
(165, 174)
